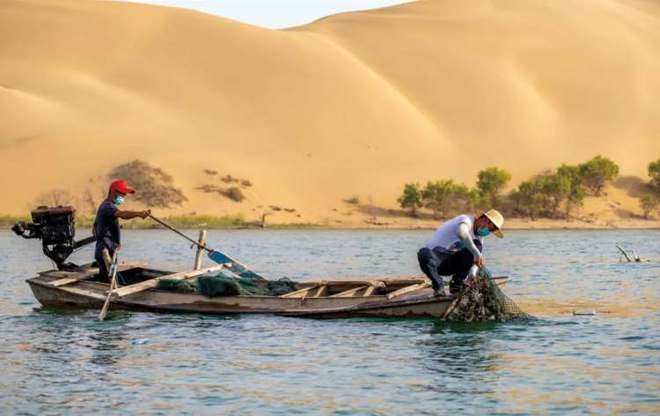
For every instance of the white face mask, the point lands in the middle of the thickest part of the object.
(118, 200)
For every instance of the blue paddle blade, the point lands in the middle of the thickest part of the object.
(233, 266)
(219, 257)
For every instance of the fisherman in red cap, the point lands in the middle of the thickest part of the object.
(106, 225)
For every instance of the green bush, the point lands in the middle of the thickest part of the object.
(437, 196)
(597, 172)
(411, 198)
(577, 191)
(490, 182)
(554, 189)
(648, 203)
(530, 197)
(446, 197)
(654, 173)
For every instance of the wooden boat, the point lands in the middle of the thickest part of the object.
(404, 296)
(81, 286)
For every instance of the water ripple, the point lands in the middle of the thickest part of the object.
(58, 361)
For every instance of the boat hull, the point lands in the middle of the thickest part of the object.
(420, 302)
(164, 301)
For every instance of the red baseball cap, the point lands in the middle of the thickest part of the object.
(121, 186)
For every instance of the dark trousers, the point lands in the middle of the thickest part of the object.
(440, 262)
(104, 273)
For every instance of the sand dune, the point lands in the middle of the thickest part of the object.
(353, 104)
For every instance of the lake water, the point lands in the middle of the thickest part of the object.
(59, 362)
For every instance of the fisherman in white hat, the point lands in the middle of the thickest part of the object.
(456, 249)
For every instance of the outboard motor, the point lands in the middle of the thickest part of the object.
(56, 227)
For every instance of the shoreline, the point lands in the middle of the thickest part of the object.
(398, 224)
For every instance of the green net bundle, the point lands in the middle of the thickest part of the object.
(184, 286)
(225, 283)
(484, 301)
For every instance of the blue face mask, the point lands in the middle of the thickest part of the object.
(118, 200)
(483, 231)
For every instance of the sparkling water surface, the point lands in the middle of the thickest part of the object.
(67, 362)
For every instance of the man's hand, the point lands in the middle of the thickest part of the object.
(145, 214)
(480, 261)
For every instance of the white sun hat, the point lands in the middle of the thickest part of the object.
(497, 219)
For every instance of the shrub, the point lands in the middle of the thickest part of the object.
(437, 196)
(228, 179)
(55, 197)
(153, 186)
(654, 173)
(515, 200)
(354, 200)
(648, 203)
(576, 192)
(474, 200)
(530, 197)
(234, 193)
(597, 172)
(411, 198)
(555, 189)
(491, 181)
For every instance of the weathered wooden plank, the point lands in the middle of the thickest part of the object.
(320, 292)
(299, 293)
(83, 292)
(350, 292)
(408, 289)
(151, 283)
(364, 281)
(71, 276)
(390, 282)
(89, 273)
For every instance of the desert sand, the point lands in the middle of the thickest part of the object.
(354, 104)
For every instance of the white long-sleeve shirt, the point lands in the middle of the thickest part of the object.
(456, 234)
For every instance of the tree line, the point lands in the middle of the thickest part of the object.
(553, 194)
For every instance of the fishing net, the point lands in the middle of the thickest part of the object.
(225, 283)
(483, 300)
(183, 286)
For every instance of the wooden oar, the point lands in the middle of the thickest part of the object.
(169, 227)
(219, 257)
(113, 285)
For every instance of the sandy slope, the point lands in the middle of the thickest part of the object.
(354, 104)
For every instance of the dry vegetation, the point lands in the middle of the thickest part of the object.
(232, 189)
(353, 200)
(55, 197)
(154, 187)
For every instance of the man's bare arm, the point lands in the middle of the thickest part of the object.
(127, 215)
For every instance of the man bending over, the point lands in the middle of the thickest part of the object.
(456, 249)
